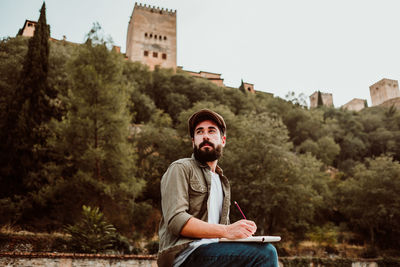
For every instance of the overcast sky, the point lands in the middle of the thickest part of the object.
(340, 47)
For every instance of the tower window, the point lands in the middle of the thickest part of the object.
(164, 56)
(146, 53)
(160, 37)
(165, 37)
(145, 34)
(155, 54)
(155, 36)
(30, 24)
(151, 35)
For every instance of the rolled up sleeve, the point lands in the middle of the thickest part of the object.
(175, 197)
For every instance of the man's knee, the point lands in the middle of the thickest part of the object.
(269, 252)
(270, 249)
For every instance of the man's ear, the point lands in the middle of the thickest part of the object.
(223, 140)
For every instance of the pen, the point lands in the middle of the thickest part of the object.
(237, 205)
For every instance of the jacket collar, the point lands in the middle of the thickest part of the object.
(204, 165)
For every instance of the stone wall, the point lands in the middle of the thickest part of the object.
(356, 104)
(391, 102)
(73, 260)
(31, 259)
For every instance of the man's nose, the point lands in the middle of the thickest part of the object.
(206, 136)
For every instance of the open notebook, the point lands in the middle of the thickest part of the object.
(261, 239)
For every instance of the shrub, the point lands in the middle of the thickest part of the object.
(152, 247)
(93, 233)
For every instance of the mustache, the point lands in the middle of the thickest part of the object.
(205, 142)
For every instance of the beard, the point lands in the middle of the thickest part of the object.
(209, 154)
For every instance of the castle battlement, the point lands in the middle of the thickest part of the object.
(155, 9)
(151, 37)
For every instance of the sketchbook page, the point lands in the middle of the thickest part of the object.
(261, 239)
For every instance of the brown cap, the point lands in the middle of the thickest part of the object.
(203, 115)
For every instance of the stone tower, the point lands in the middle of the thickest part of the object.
(384, 90)
(327, 99)
(356, 104)
(151, 37)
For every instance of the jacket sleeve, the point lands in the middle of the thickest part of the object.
(175, 197)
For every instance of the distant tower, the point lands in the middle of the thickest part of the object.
(247, 87)
(356, 104)
(327, 99)
(28, 29)
(384, 90)
(152, 36)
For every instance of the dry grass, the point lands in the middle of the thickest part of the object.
(313, 249)
(16, 231)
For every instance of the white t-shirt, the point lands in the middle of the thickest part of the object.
(214, 215)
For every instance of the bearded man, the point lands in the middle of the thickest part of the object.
(195, 201)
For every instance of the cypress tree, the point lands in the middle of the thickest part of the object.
(320, 103)
(241, 88)
(28, 112)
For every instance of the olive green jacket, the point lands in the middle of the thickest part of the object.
(185, 189)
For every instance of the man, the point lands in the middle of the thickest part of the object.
(195, 200)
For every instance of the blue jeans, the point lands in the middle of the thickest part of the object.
(233, 254)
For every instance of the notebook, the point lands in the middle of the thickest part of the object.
(261, 239)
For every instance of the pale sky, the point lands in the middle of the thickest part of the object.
(340, 47)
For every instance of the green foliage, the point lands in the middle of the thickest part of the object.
(320, 102)
(299, 100)
(325, 235)
(273, 185)
(92, 234)
(276, 155)
(325, 149)
(27, 109)
(152, 247)
(371, 201)
(91, 153)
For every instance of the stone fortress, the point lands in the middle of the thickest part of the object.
(151, 40)
(384, 93)
(151, 37)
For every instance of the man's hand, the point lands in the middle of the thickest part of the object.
(199, 229)
(240, 229)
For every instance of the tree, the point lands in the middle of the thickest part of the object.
(325, 149)
(93, 156)
(24, 131)
(93, 233)
(299, 100)
(320, 102)
(371, 201)
(274, 186)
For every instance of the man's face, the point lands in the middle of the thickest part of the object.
(207, 141)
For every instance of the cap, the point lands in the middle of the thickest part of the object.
(203, 115)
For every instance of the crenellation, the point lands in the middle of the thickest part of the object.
(155, 9)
